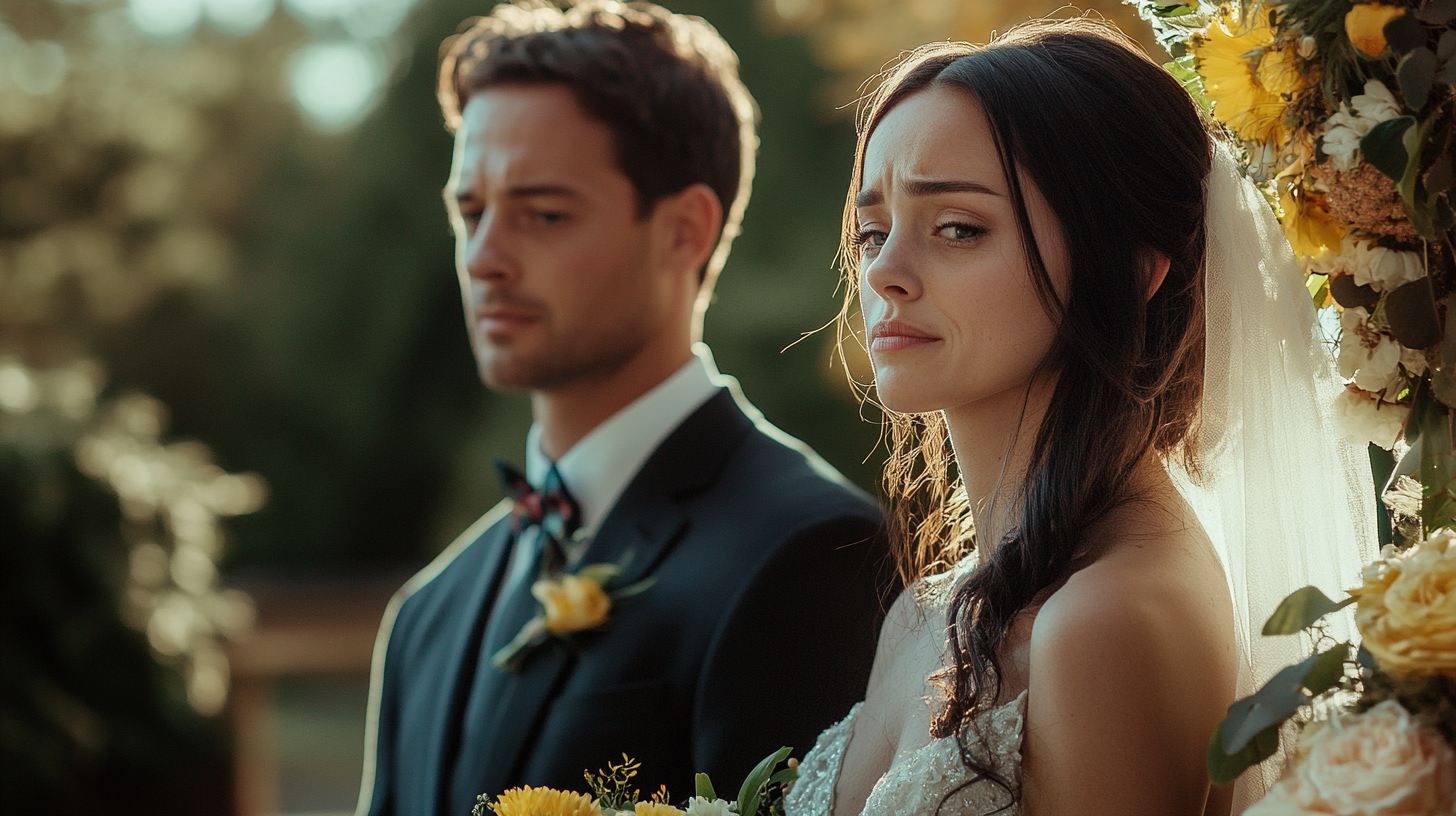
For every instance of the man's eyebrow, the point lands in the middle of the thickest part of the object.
(926, 187)
(523, 191)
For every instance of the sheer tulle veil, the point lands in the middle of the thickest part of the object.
(1286, 501)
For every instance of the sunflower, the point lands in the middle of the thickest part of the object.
(529, 801)
(656, 809)
(1306, 219)
(1249, 78)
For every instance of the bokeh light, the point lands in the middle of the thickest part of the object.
(336, 83)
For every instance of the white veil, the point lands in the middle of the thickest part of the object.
(1286, 501)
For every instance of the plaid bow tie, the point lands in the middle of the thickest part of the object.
(551, 508)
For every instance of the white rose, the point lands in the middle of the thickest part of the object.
(1379, 763)
(698, 806)
(1385, 269)
(1365, 419)
(1346, 127)
(1367, 354)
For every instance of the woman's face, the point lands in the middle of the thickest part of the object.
(952, 316)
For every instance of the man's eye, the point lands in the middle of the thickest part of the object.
(548, 218)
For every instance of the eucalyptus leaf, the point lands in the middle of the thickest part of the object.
(703, 787)
(1438, 12)
(784, 777)
(1443, 384)
(1300, 610)
(1271, 705)
(1351, 295)
(1442, 174)
(1327, 670)
(1383, 147)
(1405, 33)
(1416, 73)
(1446, 47)
(1366, 660)
(1225, 768)
(1411, 312)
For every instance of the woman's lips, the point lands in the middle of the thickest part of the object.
(892, 335)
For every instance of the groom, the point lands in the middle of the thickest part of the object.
(602, 164)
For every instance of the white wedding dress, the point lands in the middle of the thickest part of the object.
(920, 779)
(1284, 499)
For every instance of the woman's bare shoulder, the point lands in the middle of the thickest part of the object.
(1133, 662)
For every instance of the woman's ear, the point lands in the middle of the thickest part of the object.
(1158, 264)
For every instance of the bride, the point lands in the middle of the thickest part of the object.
(1063, 272)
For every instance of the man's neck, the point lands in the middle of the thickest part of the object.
(568, 413)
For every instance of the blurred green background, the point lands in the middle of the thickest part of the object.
(237, 404)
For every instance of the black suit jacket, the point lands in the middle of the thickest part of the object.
(758, 633)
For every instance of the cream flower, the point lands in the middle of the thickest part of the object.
(572, 603)
(698, 806)
(1379, 267)
(1347, 126)
(1407, 608)
(1379, 763)
(1367, 354)
(1363, 418)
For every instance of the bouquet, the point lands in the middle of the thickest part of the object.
(1346, 115)
(761, 794)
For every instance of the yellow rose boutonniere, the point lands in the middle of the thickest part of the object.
(1406, 608)
(570, 603)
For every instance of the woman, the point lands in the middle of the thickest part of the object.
(1060, 271)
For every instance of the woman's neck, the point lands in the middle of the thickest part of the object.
(993, 439)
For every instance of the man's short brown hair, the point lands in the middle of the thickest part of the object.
(665, 84)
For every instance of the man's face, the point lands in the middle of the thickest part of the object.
(560, 277)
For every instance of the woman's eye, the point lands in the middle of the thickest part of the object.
(959, 232)
(871, 239)
(548, 218)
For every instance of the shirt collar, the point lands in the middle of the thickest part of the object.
(598, 468)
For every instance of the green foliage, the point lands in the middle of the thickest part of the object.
(1224, 768)
(704, 787)
(754, 790)
(1301, 610)
(1384, 146)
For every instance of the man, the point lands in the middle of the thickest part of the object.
(603, 156)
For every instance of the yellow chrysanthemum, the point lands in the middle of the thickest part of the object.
(529, 801)
(1365, 26)
(1306, 220)
(656, 809)
(1248, 78)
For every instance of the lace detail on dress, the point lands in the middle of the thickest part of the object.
(919, 780)
(813, 794)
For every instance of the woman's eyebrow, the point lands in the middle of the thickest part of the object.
(925, 187)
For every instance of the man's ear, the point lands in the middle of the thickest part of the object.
(693, 218)
(1157, 266)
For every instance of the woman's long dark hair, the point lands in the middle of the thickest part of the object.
(1120, 152)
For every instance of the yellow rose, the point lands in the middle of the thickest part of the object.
(1407, 608)
(1380, 763)
(655, 809)
(572, 603)
(529, 801)
(1365, 26)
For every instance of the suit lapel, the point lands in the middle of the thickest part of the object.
(458, 669)
(639, 531)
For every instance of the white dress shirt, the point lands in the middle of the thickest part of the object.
(598, 468)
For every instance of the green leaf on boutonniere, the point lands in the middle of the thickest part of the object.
(508, 658)
(633, 589)
(1300, 610)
